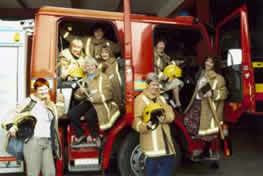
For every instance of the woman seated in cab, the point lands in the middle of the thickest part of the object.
(110, 67)
(204, 114)
(97, 104)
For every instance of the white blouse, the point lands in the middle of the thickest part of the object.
(44, 118)
(200, 84)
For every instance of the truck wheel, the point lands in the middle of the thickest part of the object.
(131, 160)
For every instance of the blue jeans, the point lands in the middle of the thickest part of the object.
(160, 166)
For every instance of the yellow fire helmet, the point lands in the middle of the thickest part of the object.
(76, 72)
(172, 71)
(151, 110)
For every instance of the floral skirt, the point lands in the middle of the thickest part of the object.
(192, 118)
(192, 122)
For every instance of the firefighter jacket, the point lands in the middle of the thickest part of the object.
(111, 68)
(160, 62)
(208, 125)
(92, 46)
(100, 92)
(56, 142)
(152, 142)
(69, 63)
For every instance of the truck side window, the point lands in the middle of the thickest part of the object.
(230, 48)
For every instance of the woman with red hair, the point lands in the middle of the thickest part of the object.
(39, 148)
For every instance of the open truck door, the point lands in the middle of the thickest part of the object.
(233, 44)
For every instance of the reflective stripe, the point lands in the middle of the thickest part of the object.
(154, 139)
(208, 131)
(138, 125)
(145, 99)
(214, 85)
(163, 99)
(158, 62)
(88, 46)
(257, 64)
(66, 35)
(115, 104)
(214, 105)
(160, 75)
(111, 122)
(118, 73)
(218, 95)
(103, 97)
(259, 88)
(155, 153)
(212, 124)
(111, 76)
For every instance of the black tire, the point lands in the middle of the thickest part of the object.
(127, 156)
(131, 162)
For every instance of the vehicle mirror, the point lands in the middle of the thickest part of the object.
(234, 57)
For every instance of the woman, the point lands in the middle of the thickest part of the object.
(156, 144)
(38, 151)
(97, 104)
(209, 96)
(110, 67)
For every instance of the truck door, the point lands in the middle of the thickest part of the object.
(233, 44)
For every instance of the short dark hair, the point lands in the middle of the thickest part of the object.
(160, 40)
(97, 26)
(41, 82)
(151, 77)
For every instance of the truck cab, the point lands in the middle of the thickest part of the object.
(187, 39)
(183, 34)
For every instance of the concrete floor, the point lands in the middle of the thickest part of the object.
(246, 160)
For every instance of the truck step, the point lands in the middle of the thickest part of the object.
(84, 145)
(84, 165)
(80, 153)
(11, 167)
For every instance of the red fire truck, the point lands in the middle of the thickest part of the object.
(136, 35)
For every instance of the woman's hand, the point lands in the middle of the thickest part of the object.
(161, 118)
(149, 125)
(69, 78)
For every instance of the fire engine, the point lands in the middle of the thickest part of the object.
(136, 35)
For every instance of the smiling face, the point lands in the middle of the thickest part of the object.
(105, 54)
(98, 33)
(209, 64)
(42, 92)
(91, 68)
(76, 47)
(154, 88)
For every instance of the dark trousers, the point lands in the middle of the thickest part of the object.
(160, 166)
(86, 108)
